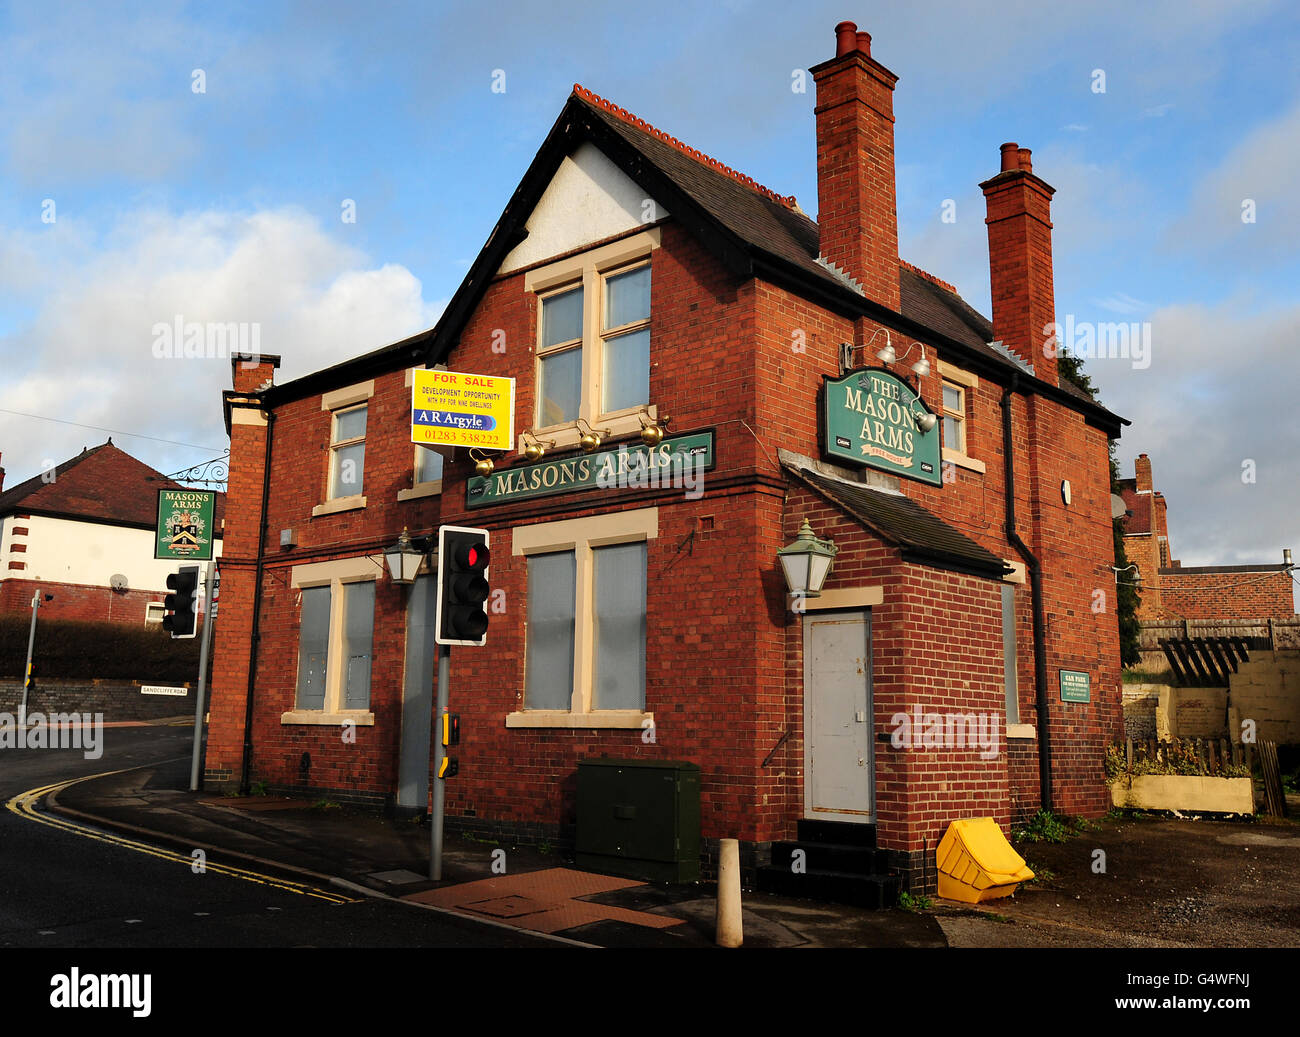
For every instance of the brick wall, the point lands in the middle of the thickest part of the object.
(724, 657)
(1234, 594)
(78, 601)
(117, 700)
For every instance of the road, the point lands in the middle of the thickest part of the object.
(63, 888)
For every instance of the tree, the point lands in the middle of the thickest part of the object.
(1127, 598)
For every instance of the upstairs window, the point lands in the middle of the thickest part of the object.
(559, 360)
(347, 452)
(954, 417)
(625, 340)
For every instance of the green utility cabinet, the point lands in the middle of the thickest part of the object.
(639, 818)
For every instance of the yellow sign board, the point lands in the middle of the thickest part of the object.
(449, 408)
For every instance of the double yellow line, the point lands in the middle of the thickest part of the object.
(24, 805)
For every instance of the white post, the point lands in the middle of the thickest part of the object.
(728, 913)
(209, 612)
(27, 672)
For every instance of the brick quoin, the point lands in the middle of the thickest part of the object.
(746, 357)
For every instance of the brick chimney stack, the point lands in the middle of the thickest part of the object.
(857, 205)
(1142, 470)
(1020, 260)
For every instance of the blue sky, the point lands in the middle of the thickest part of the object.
(226, 205)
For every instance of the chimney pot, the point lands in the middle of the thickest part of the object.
(864, 43)
(846, 38)
(1025, 164)
(1010, 156)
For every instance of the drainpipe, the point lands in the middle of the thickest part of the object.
(1036, 597)
(246, 765)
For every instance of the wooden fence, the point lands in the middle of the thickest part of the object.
(1263, 634)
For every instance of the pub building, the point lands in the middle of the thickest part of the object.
(778, 505)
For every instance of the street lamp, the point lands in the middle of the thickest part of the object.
(405, 557)
(807, 562)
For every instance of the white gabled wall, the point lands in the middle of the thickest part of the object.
(589, 199)
(86, 553)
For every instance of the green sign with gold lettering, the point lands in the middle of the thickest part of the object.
(871, 417)
(677, 463)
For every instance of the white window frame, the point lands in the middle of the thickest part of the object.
(965, 383)
(154, 612)
(334, 575)
(336, 402)
(582, 537)
(590, 271)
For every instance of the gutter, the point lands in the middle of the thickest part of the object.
(256, 637)
(1035, 571)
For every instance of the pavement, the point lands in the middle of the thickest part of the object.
(342, 847)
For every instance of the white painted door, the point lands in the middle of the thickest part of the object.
(838, 764)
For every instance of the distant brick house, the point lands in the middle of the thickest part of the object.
(1171, 591)
(70, 530)
(631, 282)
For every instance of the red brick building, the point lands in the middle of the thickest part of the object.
(83, 531)
(1172, 591)
(631, 282)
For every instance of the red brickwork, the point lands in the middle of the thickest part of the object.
(746, 359)
(1235, 595)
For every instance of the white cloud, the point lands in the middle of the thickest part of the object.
(1262, 169)
(88, 355)
(1217, 394)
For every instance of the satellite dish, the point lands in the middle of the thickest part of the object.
(1118, 509)
(118, 582)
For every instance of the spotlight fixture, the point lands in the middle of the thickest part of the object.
(652, 433)
(925, 421)
(922, 367)
(534, 448)
(482, 463)
(591, 437)
(886, 354)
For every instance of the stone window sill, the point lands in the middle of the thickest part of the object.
(1021, 731)
(421, 489)
(360, 717)
(962, 461)
(610, 718)
(333, 507)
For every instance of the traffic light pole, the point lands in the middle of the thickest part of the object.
(439, 755)
(27, 671)
(209, 618)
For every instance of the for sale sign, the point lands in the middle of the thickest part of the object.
(449, 408)
(184, 529)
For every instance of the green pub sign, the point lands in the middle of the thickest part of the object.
(677, 463)
(1075, 686)
(184, 529)
(869, 417)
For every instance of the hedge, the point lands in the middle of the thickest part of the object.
(79, 650)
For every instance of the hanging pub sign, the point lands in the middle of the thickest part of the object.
(869, 417)
(184, 526)
(677, 463)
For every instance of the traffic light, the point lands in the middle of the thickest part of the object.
(463, 589)
(180, 618)
(451, 729)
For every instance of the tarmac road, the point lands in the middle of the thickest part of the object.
(63, 886)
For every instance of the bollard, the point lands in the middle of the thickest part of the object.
(729, 929)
